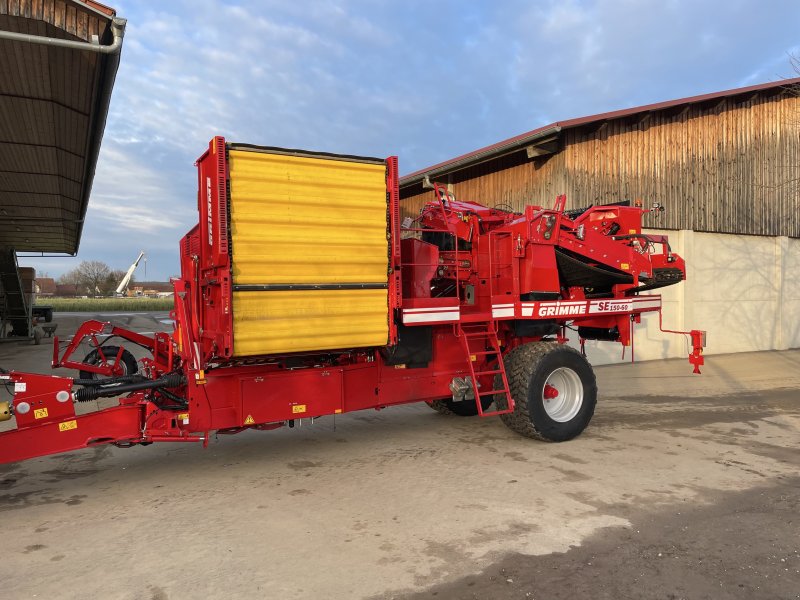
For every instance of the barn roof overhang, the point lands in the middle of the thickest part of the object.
(547, 139)
(58, 62)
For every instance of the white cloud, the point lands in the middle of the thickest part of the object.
(425, 80)
(129, 196)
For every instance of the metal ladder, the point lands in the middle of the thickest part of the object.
(479, 341)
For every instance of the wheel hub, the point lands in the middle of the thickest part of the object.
(562, 395)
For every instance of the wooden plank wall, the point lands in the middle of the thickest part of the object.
(67, 15)
(729, 167)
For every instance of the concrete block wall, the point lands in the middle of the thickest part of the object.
(743, 290)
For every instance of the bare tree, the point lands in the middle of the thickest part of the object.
(91, 277)
(69, 278)
(94, 274)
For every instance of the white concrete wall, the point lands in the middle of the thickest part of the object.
(743, 290)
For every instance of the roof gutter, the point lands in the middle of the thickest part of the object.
(117, 30)
(480, 156)
(97, 127)
(107, 74)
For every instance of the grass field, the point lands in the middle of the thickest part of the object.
(105, 304)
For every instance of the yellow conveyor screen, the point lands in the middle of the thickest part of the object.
(309, 252)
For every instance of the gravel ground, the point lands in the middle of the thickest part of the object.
(682, 487)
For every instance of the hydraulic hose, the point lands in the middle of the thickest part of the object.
(115, 389)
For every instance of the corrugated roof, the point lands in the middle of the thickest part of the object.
(58, 61)
(520, 141)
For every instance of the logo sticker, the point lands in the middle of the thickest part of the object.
(562, 310)
(208, 212)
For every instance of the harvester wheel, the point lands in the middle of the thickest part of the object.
(554, 391)
(129, 365)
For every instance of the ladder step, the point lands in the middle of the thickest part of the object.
(495, 413)
(473, 339)
(486, 333)
(487, 392)
(484, 349)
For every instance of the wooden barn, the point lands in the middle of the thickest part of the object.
(726, 166)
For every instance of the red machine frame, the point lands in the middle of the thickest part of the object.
(505, 270)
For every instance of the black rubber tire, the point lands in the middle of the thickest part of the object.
(528, 368)
(48, 315)
(130, 366)
(440, 406)
(466, 408)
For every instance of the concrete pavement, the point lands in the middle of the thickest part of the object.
(406, 502)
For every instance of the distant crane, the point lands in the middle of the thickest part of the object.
(123, 285)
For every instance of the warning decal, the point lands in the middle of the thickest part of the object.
(67, 425)
(40, 413)
(249, 420)
(299, 408)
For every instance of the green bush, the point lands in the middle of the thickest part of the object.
(107, 304)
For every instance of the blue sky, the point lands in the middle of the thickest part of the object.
(423, 80)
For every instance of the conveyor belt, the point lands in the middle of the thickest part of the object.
(574, 272)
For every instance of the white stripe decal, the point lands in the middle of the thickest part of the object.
(646, 305)
(430, 309)
(431, 317)
(557, 302)
(542, 309)
(581, 308)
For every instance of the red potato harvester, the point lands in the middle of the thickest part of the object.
(302, 295)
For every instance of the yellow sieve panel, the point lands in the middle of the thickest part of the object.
(300, 321)
(297, 219)
(307, 220)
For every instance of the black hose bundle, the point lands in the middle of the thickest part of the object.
(114, 388)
